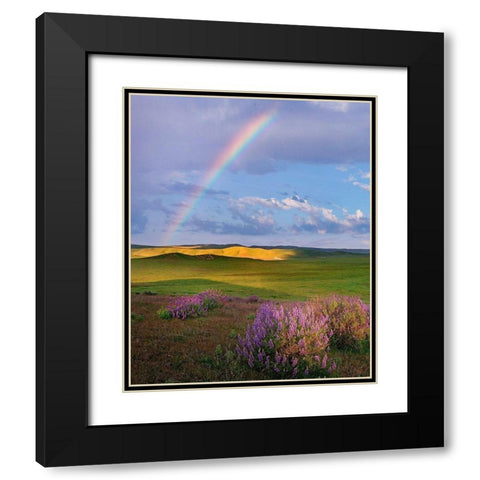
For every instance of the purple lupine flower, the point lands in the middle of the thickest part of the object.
(195, 305)
(302, 345)
(324, 361)
(296, 335)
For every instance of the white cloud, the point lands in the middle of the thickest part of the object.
(354, 181)
(329, 215)
(349, 220)
(262, 219)
(364, 186)
(317, 219)
(288, 203)
(356, 216)
(299, 204)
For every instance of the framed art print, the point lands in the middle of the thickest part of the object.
(235, 218)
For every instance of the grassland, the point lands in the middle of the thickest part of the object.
(175, 351)
(298, 278)
(202, 349)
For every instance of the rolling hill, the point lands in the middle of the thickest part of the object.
(239, 251)
(303, 273)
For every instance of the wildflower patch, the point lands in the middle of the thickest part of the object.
(294, 340)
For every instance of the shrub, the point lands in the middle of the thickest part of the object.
(293, 341)
(136, 317)
(164, 314)
(348, 320)
(188, 306)
(288, 341)
(212, 299)
(193, 305)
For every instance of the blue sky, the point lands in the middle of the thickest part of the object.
(304, 180)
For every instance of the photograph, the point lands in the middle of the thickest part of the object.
(249, 239)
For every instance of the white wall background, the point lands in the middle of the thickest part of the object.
(17, 156)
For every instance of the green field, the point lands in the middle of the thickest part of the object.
(203, 349)
(308, 274)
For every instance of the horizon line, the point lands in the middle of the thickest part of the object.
(248, 246)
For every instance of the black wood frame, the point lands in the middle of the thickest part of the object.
(64, 42)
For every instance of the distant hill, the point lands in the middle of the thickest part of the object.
(266, 253)
(233, 251)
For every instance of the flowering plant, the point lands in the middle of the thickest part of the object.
(290, 341)
(294, 340)
(348, 319)
(193, 305)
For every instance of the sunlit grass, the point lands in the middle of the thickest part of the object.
(295, 279)
(234, 252)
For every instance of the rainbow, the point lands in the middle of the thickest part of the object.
(236, 146)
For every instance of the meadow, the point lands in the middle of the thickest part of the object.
(209, 340)
(297, 278)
